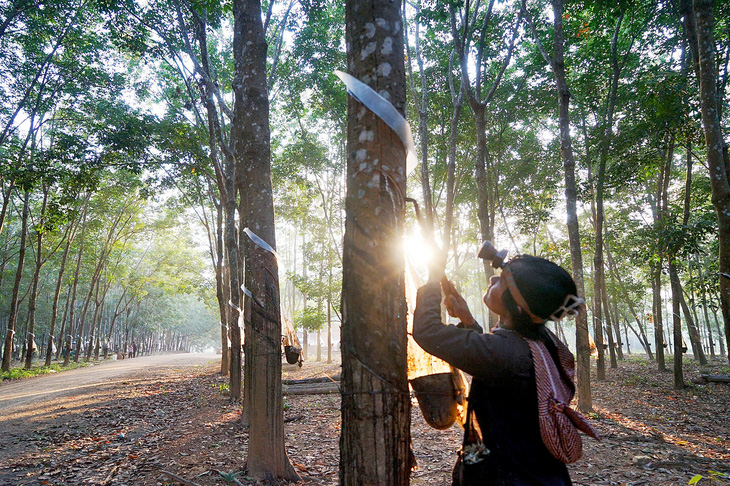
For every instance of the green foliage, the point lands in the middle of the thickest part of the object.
(19, 373)
(713, 476)
(230, 476)
(310, 318)
(223, 388)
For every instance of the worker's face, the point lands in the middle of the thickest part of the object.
(493, 297)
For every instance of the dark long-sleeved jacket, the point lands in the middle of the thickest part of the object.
(503, 392)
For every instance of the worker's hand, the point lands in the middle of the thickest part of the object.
(455, 304)
(437, 266)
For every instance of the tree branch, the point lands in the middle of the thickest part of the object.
(528, 18)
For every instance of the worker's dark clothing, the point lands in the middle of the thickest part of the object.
(503, 393)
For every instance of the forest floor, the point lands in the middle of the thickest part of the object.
(177, 418)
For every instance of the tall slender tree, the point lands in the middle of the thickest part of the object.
(717, 148)
(251, 138)
(13, 317)
(375, 438)
(557, 62)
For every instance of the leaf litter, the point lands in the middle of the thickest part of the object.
(180, 420)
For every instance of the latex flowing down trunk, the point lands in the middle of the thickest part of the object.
(375, 437)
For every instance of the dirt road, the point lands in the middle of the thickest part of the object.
(18, 393)
(91, 425)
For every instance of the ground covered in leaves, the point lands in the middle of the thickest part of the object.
(181, 421)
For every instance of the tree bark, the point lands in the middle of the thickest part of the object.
(228, 290)
(14, 304)
(422, 108)
(57, 296)
(6, 193)
(717, 154)
(677, 327)
(642, 337)
(33, 297)
(616, 321)
(582, 340)
(600, 275)
(719, 332)
(478, 102)
(221, 289)
(375, 438)
(251, 140)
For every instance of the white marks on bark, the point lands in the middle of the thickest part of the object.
(369, 49)
(367, 136)
(387, 48)
(369, 30)
(360, 155)
(719, 173)
(384, 69)
(374, 181)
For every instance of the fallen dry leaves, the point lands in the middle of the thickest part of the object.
(179, 420)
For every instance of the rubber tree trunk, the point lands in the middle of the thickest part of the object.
(676, 327)
(329, 315)
(659, 212)
(375, 437)
(33, 296)
(717, 155)
(234, 284)
(13, 316)
(608, 323)
(251, 138)
(600, 307)
(70, 327)
(582, 341)
(657, 316)
(719, 332)
(57, 298)
(692, 323)
(616, 322)
(422, 109)
(221, 289)
(641, 335)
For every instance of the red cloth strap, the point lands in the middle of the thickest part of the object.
(559, 424)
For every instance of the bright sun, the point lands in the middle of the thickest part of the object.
(415, 248)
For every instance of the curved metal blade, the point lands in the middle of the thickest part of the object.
(385, 111)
